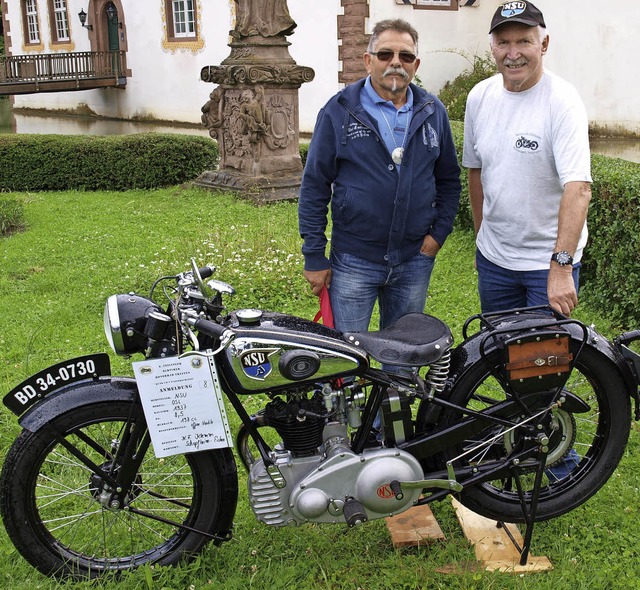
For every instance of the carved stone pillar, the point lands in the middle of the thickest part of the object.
(253, 112)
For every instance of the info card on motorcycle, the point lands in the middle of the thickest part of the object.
(183, 404)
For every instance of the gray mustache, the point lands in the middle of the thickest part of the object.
(398, 71)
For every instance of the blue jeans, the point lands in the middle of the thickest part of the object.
(500, 288)
(357, 283)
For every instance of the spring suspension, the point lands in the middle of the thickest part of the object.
(436, 378)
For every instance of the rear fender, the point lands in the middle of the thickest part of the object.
(70, 397)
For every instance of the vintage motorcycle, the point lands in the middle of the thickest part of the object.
(523, 421)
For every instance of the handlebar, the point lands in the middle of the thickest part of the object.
(206, 271)
(209, 328)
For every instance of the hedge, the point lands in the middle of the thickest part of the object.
(464, 219)
(610, 273)
(113, 162)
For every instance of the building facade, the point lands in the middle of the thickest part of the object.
(166, 43)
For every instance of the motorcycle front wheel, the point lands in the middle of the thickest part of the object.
(53, 506)
(584, 447)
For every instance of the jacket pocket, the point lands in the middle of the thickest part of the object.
(366, 214)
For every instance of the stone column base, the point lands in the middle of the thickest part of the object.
(261, 189)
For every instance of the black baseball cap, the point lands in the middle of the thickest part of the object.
(517, 12)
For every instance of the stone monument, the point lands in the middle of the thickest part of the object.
(253, 112)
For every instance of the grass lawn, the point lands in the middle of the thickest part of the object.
(79, 248)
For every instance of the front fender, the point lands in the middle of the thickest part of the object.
(109, 389)
(475, 348)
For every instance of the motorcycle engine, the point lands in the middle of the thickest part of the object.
(324, 480)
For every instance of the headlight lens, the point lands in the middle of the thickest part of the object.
(125, 317)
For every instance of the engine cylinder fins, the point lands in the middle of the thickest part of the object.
(301, 433)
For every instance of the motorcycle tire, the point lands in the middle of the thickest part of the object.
(584, 450)
(50, 500)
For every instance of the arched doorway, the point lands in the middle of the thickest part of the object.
(108, 35)
(113, 26)
(109, 27)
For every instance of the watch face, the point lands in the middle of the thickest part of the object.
(563, 258)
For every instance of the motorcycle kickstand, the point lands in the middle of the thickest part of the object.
(528, 512)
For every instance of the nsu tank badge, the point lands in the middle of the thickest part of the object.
(256, 362)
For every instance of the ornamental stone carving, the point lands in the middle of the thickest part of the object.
(253, 112)
(263, 18)
(258, 74)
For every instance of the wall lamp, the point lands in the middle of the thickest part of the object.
(112, 15)
(82, 15)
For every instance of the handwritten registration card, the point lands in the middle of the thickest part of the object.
(183, 404)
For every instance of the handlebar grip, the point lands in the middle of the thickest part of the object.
(628, 337)
(206, 271)
(209, 328)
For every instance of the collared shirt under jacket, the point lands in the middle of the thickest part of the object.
(378, 212)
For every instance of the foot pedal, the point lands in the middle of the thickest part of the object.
(354, 512)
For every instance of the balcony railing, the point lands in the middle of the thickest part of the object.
(56, 72)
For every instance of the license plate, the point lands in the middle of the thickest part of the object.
(33, 389)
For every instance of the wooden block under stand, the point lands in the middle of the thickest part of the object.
(416, 526)
(494, 549)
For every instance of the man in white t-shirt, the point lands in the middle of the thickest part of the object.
(526, 146)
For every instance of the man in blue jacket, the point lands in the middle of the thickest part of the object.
(382, 154)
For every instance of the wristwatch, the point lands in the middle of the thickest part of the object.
(563, 258)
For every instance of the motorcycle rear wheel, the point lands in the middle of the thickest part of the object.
(596, 439)
(50, 505)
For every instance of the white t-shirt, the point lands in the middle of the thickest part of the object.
(529, 145)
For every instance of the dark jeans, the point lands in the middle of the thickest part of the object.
(500, 288)
(357, 283)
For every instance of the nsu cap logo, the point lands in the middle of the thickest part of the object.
(513, 8)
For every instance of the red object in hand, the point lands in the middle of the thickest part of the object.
(324, 313)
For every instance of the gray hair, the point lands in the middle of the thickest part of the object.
(398, 25)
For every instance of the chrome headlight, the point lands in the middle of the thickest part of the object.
(125, 317)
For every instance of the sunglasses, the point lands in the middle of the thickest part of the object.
(406, 57)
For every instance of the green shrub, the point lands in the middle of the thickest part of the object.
(610, 275)
(464, 218)
(11, 216)
(454, 96)
(115, 162)
(454, 93)
(304, 150)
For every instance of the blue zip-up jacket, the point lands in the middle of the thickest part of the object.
(377, 213)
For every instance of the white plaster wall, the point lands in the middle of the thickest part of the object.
(594, 44)
(314, 44)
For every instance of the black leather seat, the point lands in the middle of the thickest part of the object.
(415, 339)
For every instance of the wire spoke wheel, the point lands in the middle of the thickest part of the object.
(62, 516)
